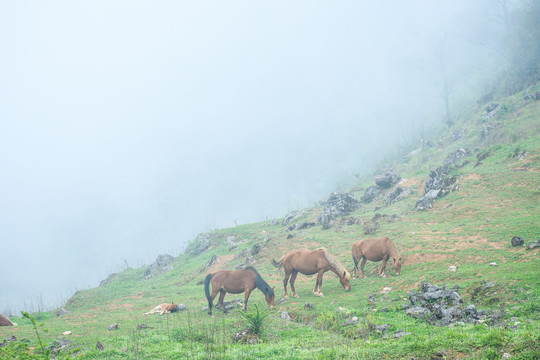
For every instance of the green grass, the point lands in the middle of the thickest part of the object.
(470, 228)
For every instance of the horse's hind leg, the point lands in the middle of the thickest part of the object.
(383, 267)
(319, 284)
(212, 297)
(364, 259)
(222, 294)
(285, 281)
(293, 279)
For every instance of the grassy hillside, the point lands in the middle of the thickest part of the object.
(470, 228)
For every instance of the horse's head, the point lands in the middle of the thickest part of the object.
(397, 264)
(270, 296)
(345, 280)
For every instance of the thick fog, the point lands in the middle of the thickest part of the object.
(127, 127)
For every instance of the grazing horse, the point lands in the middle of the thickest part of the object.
(309, 262)
(375, 250)
(236, 282)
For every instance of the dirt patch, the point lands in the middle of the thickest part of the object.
(220, 263)
(136, 296)
(412, 183)
(471, 177)
(420, 258)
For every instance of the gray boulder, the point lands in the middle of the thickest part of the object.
(372, 193)
(387, 180)
(338, 204)
(517, 241)
(161, 265)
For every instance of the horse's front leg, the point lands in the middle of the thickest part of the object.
(285, 281)
(222, 293)
(319, 284)
(293, 279)
(246, 297)
(355, 267)
(383, 266)
(364, 259)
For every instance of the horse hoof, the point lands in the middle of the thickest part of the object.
(286, 296)
(321, 294)
(364, 277)
(296, 296)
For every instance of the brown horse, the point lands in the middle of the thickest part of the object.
(236, 282)
(375, 250)
(309, 262)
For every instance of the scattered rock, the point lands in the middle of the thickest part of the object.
(61, 312)
(113, 327)
(181, 307)
(338, 204)
(441, 354)
(99, 346)
(199, 245)
(211, 262)
(7, 341)
(66, 333)
(456, 157)
(372, 193)
(108, 279)
(293, 215)
(452, 268)
(458, 134)
(285, 316)
(245, 336)
(400, 334)
(426, 201)
(161, 265)
(534, 245)
(142, 326)
(387, 180)
(517, 241)
(58, 345)
(396, 195)
(490, 107)
(493, 264)
(301, 226)
(352, 321)
(309, 306)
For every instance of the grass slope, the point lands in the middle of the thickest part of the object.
(470, 228)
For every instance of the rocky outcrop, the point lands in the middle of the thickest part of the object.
(293, 215)
(338, 204)
(161, 265)
(396, 195)
(199, 245)
(387, 180)
(371, 194)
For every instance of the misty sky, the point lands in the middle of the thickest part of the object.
(127, 127)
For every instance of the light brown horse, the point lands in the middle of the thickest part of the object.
(164, 309)
(236, 282)
(309, 262)
(375, 250)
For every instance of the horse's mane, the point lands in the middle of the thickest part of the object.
(251, 268)
(334, 262)
(259, 281)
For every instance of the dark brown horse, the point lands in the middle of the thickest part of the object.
(309, 262)
(375, 250)
(236, 282)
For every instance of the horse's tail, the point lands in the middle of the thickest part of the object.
(278, 264)
(207, 292)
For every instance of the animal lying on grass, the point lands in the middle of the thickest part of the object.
(236, 282)
(164, 309)
(309, 262)
(375, 250)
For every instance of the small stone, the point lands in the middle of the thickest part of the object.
(66, 333)
(113, 327)
(517, 241)
(285, 316)
(493, 264)
(452, 268)
(506, 356)
(100, 346)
